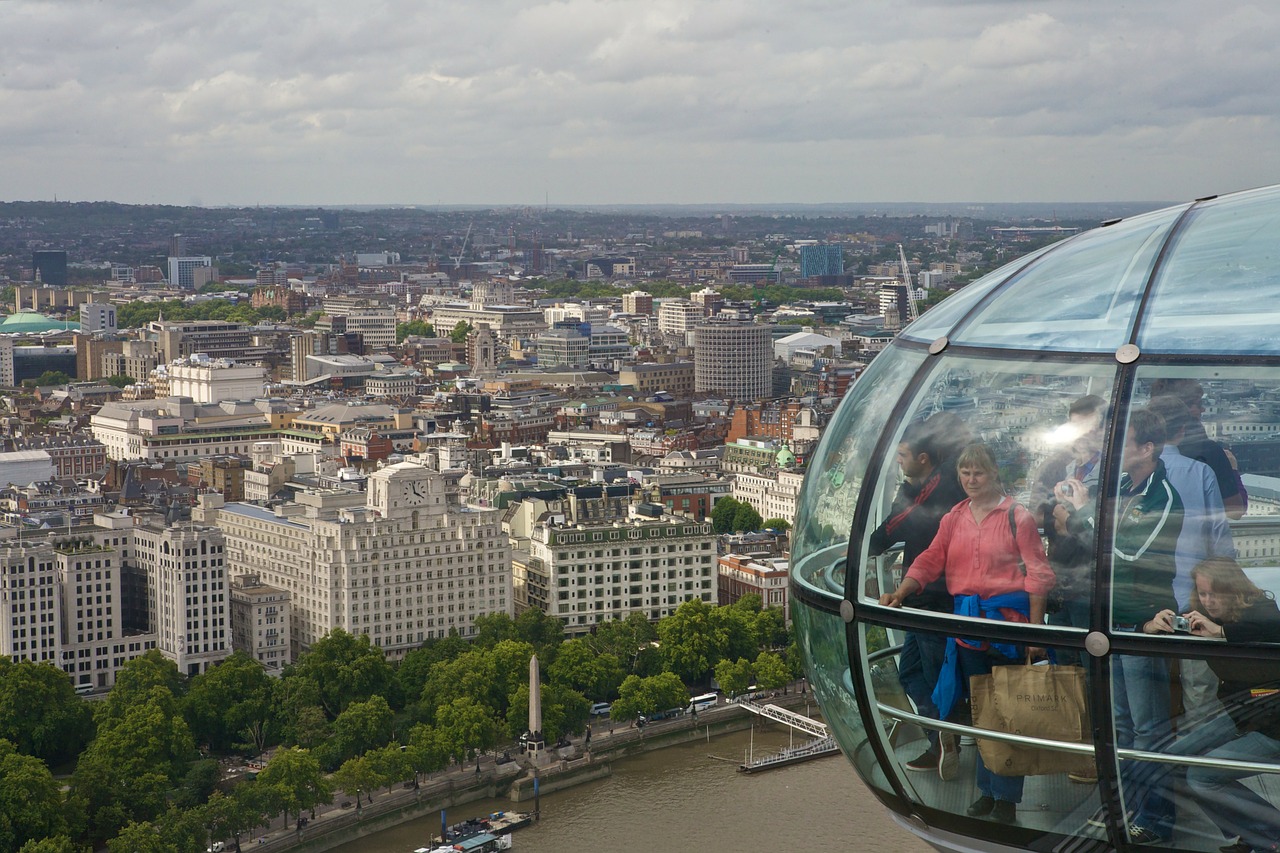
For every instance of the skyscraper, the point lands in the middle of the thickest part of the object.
(182, 270)
(734, 360)
(50, 267)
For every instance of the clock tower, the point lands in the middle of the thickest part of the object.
(399, 490)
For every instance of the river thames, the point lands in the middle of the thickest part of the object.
(681, 799)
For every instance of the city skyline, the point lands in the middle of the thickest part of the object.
(584, 103)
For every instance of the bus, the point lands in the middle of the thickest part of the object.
(702, 703)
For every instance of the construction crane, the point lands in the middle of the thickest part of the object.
(457, 261)
(906, 280)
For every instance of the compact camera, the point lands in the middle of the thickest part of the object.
(1182, 624)
(1068, 489)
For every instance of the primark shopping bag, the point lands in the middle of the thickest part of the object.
(1040, 700)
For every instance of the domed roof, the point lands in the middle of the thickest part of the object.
(1138, 281)
(785, 457)
(27, 322)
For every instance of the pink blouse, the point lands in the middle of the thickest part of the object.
(982, 559)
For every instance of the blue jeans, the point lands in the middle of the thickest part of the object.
(918, 667)
(1140, 691)
(1007, 788)
(1236, 809)
(1199, 740)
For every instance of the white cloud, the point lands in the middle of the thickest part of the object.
(665, 100)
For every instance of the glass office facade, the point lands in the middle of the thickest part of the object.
(1078, 367)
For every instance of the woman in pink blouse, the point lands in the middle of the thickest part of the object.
(994, 562)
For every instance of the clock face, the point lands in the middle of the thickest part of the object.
(414, 493)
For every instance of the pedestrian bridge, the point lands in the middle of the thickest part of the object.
(789, 718)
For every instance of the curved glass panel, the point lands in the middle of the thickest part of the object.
(1081, 298)
(1044, 424)
(836, 471)
(938, 772)
(1218, 290)
(942, 318)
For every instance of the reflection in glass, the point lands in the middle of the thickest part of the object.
(1048, 801)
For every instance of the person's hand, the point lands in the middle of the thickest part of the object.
(1060, 516)
(1161, 623)
(1073, 492)
(1203, 626)
(1036, 652)
(890, 599)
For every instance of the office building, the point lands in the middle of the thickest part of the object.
(49, 267)
(402, 563)
(821, 259)
(98, 317)
(677, 317)
(212, 380)
(182, 271)
(733, 360)
(637, 302)
(184, 567)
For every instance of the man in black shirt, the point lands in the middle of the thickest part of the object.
(929, 490)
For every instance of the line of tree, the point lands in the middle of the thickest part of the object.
(136, 314)
(343, 718)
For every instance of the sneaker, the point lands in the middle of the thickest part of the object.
(948, 756)
(1142, 835)
(1237, 846)
(967, 740)
(1084, 778)
(1004, 812)
(981, 807)
(927, 760)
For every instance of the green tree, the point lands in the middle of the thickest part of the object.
(723, 514)
(493, 628)
(198, 783)
(579, 667)
(698, 635)
(52, 377)
(420, 328)
(40, 712)
(138, 756)
(119, 380)
(293, 782)
(545, 633)
(297, 717)
(361, 727)
(231, 815)
(772, 671)
(356, 776)
(308, 321)
(30, 799)
(390, 765)
(55, 844)
(466, 727)
(734, 677)
(747, 518)
(563, 711)
(649, 695)
(346, 668)
(229, 705)
(776, 523)
(139, 837)
(427, 751)
(629, 640)
(460, 332)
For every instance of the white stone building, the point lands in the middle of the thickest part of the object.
(212, 380)
(401, 564)
(260, 616)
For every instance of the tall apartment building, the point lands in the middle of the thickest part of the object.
(6, 361)
(401, 563)
(733, 360)
(182, 271)
(678, 317)
(260, 617)
(184, 567)
(637, 302)
(31, 603)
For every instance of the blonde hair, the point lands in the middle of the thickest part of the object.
(1228, 580)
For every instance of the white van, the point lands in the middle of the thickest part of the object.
(601, 709)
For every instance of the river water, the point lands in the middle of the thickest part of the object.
(680, 799)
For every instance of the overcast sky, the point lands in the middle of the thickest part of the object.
(694, 101)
